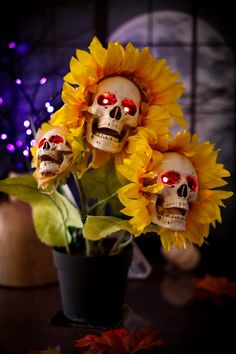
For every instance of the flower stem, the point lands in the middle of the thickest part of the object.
(119, 244)
(100, 202)
(81, 197)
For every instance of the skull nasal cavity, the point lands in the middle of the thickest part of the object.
(115, 113)
(46, 145)
(182, 191)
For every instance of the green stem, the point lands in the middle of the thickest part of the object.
(100, 202)
(119, 244)
(81, 197)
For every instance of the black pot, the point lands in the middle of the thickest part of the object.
(93, 288)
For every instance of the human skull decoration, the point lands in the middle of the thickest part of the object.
(53, 153)
(180, 188)
(114, 112)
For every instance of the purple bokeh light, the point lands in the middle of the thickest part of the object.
(33, 142)
(18, 81)
(22, 48)
(26, 123)
(10, 147)
(19, 143)
(26, 153)
(11, 45)
(43, 80)
(3, 136)
(1, 100)
(50, 109)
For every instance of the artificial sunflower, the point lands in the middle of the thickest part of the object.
(158, 85)
(205, 211)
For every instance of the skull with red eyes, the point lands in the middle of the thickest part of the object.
(53, 153)
(114, 112)
(179, 179)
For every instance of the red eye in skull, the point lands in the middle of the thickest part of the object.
(129, 106)
(56, 139)
(106, 99)
(41, 142)
(192, 183)
(170, 177)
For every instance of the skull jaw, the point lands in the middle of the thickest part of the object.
(48, 168)
(105, 141)
(173, 222)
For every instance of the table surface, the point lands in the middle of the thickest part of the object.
(166, 301)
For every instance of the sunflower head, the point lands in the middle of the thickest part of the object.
(95, 78)
(186, 178)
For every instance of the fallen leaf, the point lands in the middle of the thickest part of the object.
(216, 286)
(119, 341)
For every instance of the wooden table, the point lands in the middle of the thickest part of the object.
(166, 300)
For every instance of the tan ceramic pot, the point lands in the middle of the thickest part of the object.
(24, 260)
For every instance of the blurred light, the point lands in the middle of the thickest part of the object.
(26, 153)
(19, 164)
(26, 123)
(10, 147)
(3, 136)
(43, 80)
(22, 48)
(28, 131)
(18, 81)
(19, 143)
(50, 109)
(1, 100)
(11, 45)
(47, 104)
(33, 142)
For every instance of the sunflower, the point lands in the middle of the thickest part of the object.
(158, 85)
(137, 168)
(203, 213)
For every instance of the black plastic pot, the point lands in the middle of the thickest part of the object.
(93, 288)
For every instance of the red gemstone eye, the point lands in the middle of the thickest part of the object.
(170, 177)
(106, 99)
(56, 139)
(129, 106)
(42, 141)
(192, 183)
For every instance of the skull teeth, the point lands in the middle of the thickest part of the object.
(107, 137)
(169, 212)
(167, 217)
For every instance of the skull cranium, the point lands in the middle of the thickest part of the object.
(179, 179)
(53, 153)
(114, 112)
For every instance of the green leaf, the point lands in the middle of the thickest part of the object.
(97, 227)
(52, 214)
(100, 183)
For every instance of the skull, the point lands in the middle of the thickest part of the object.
(179, 179)
(114, 112)
(53, 153)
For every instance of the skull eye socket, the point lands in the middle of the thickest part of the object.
(129, 106)
(192, 183)
(56, 139)
(106, 99)
(42, 141)
(170, 177)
